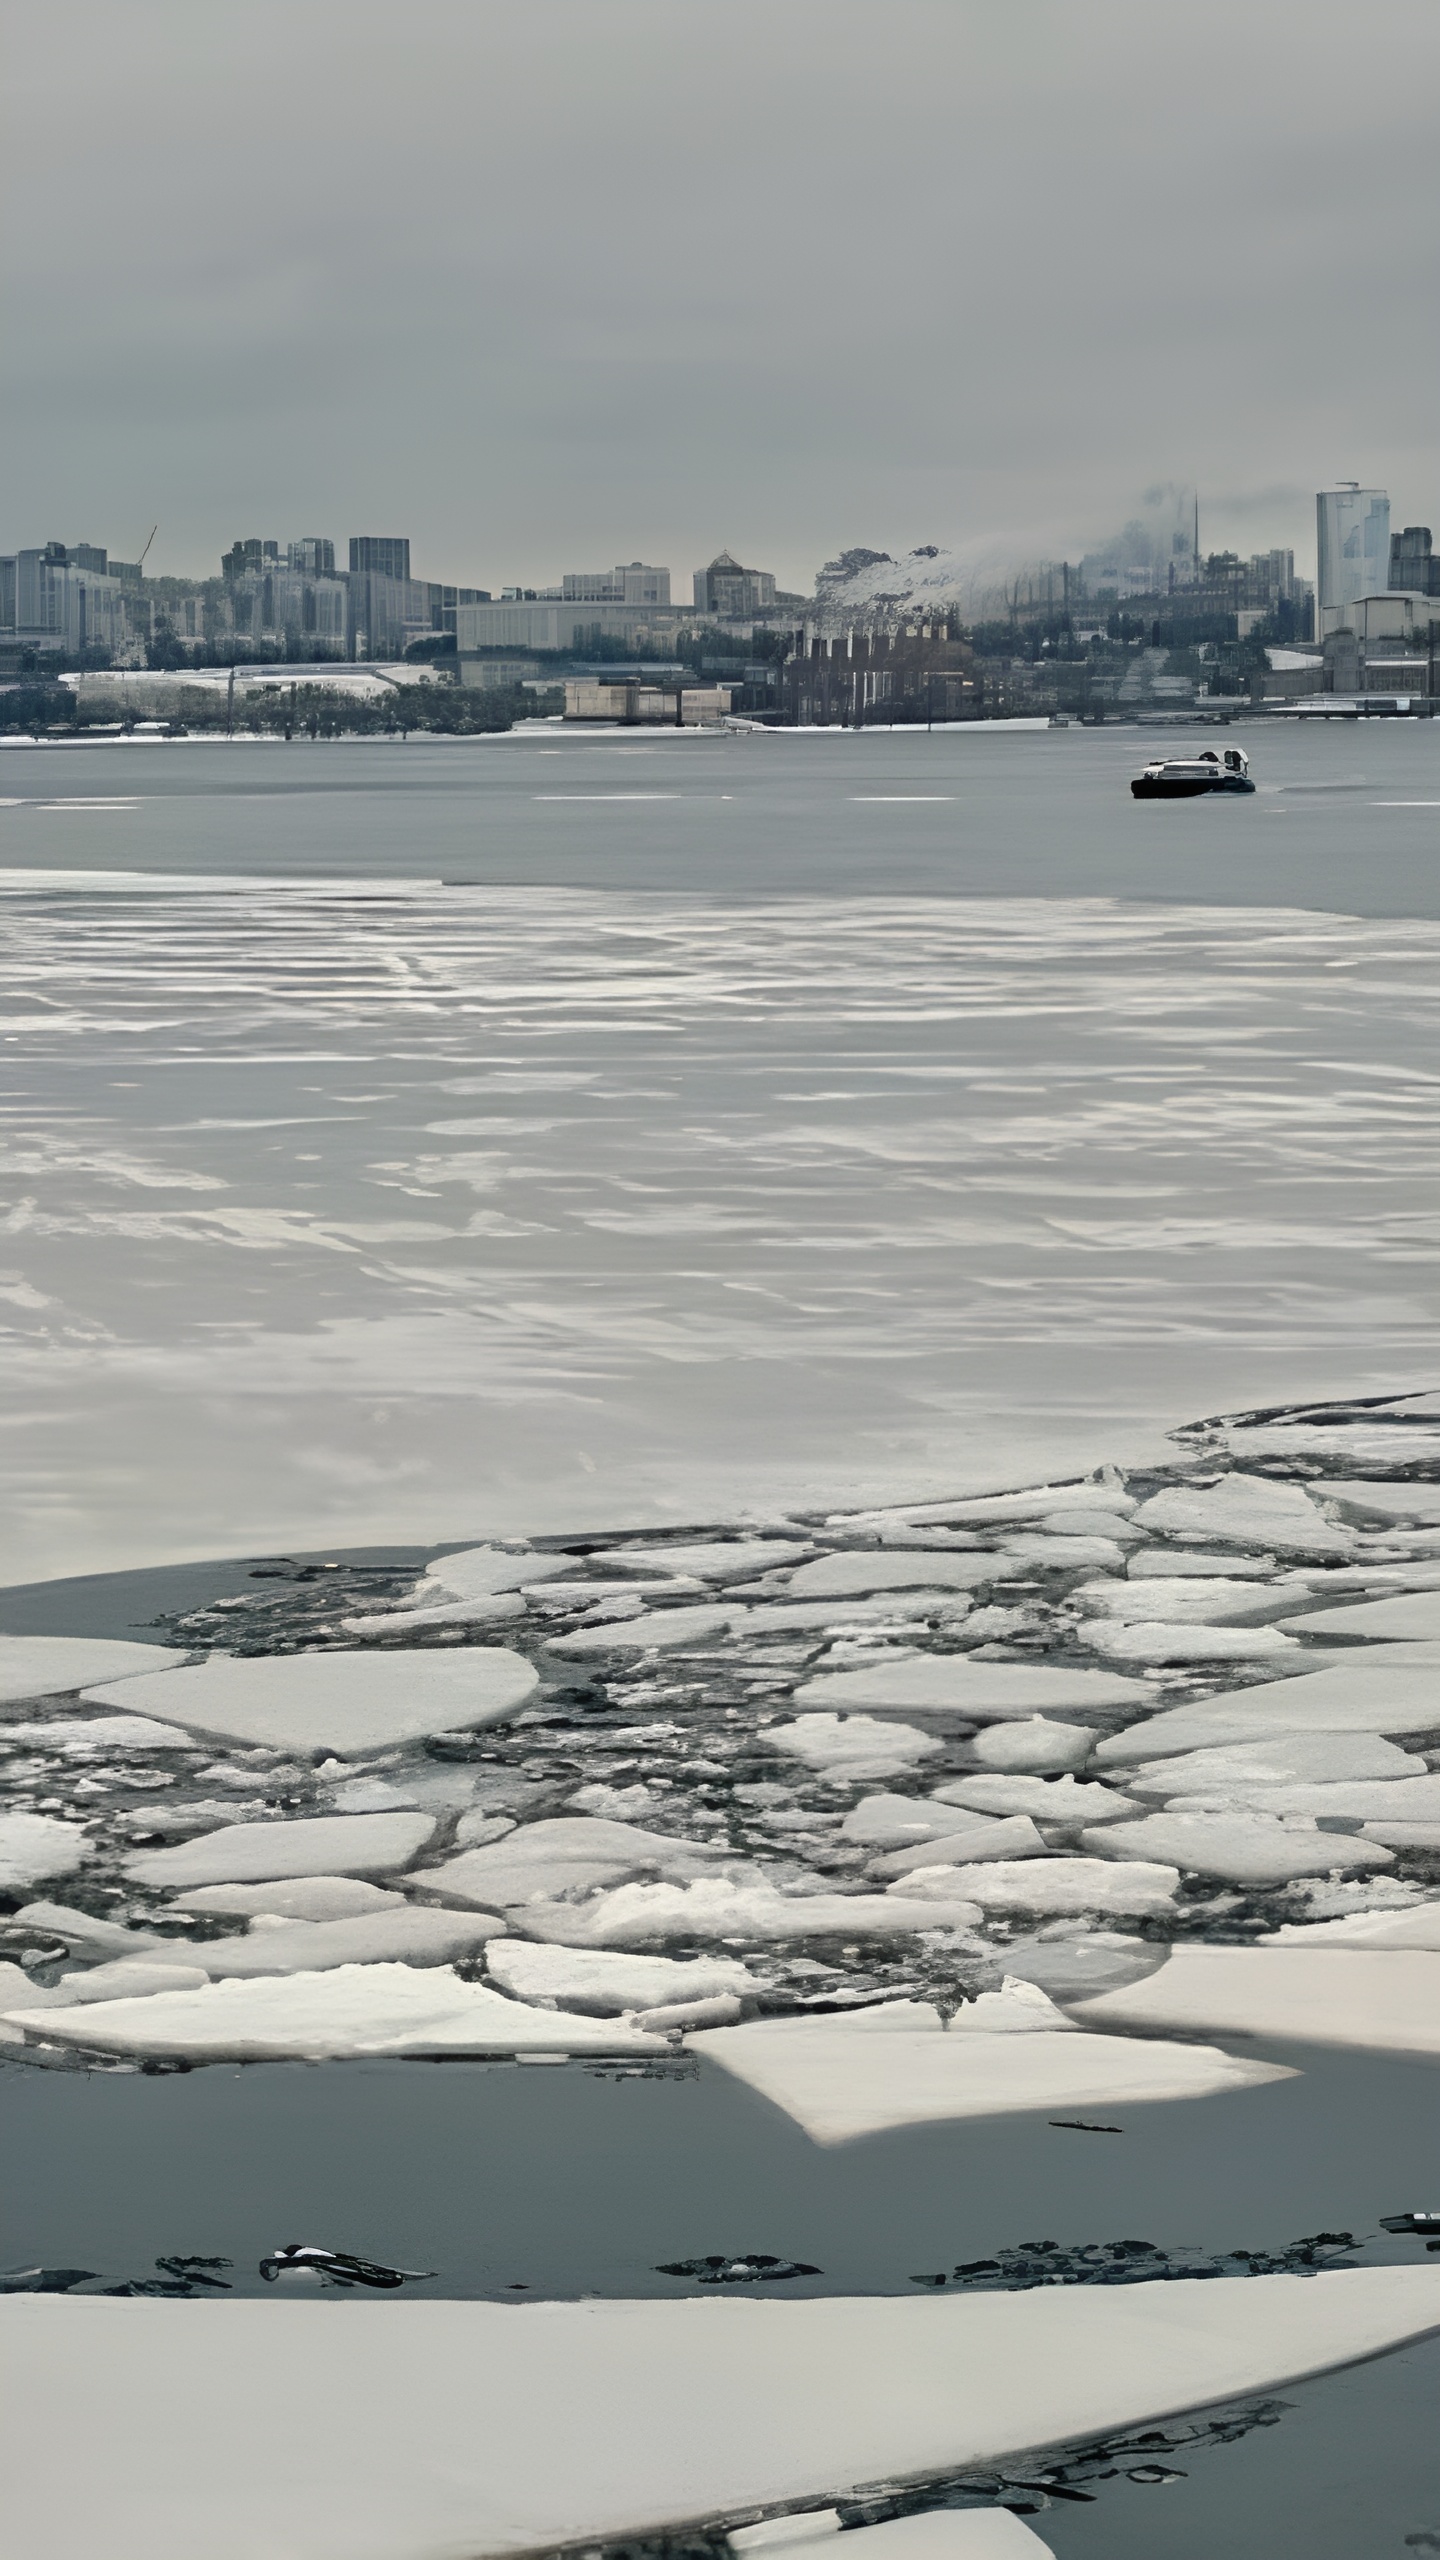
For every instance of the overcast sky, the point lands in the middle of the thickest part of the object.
(551, 283)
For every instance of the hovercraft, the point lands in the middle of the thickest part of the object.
(1187, 777)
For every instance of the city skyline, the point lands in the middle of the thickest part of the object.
(973, 286)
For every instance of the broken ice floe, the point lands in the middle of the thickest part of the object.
(356, 2010)
(844, 2077)
(606, 1983)
(337, 1701)
(797, 1671)
(51, 1666)
(34, 1846)
(1239, 1847)
(1247, 1510)
(1385, 1997)
(979, 1690)
(339, 1844)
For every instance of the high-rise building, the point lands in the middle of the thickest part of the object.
(1352, 548)
(313, 556)
(380, 555)
(1413, 564)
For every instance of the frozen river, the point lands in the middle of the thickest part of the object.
(550, 1139)
(433, 1141)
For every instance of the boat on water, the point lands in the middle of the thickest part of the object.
(1186, 777)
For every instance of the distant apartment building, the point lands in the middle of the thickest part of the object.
(1413, 564)
(632, 583)
(555, 624)
(60, 600)
(380, 555)
(288, 596)
(1352, 549)
(726, 592)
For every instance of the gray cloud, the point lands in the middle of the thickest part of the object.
(547, 283)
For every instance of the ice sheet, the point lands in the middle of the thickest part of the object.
(439, 2418)
(654, 1284)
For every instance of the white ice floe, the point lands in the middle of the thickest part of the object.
(598, 1981)
(404, 1935)
(1179, 1600)
(1037, 1744)
(1154, 1641)
(1414, 1615)
(984, 1691)
(17, 1989)
(294, 1898)
(1155, 1564)
(34, 1846)
(573, 1853)
(438, 1613)
(1383, 1997)
(992, 1510)
(985, 1836)
(338, 1701)
(48, 1666)
(481, 1573)
(936, 2533)
(849, 1572)
(1062, 1554)
(203, 2428)
(1054, 1886)
(662, 1627)
(1238, 1847)
(1386, 1501)
(1404, 1835)
(81, 1929)
(896, 1822)
(1249, 1511)
(1017, 2008)
(1367, 1800)
(782, 1617)
(332, 1844)
(711, 1559)
(1417, 1927)
(134, 1978)
(1284, 1758)
(319, 2017)
(1068, 1800)
(1382, 1693)
(840, 2079)
(80, 1736)
(850, 1746)
(639, 1915)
